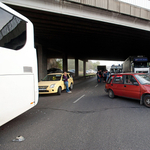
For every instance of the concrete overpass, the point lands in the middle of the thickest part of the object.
(84, 29)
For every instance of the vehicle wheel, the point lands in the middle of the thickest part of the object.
(110, 93)
(71, 86)
(146, 100)
(59, 91)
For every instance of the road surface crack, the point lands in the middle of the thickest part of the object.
(74, 111)
(91, 111)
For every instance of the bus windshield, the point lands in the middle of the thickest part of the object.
(140, 64)
(12, 31)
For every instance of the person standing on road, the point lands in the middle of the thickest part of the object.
(65, 79)
(104, 75)
(98, 78)
(100, 74)
(108, 74)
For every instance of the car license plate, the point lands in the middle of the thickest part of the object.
(42, 89)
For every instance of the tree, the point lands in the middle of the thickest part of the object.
(71, 64)
(95, 65)
(89, 65)
(59, 63)
(92, 65)
(80, 65)
(54, 63)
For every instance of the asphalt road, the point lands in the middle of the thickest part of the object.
(84, 120)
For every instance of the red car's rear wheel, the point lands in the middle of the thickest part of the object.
(146, 100)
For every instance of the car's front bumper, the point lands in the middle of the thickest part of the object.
(48, 91)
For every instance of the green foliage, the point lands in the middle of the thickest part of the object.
(92, 65)
(71, 64)
(80, 65)
(58, 63)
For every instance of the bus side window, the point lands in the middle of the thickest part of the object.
(12, 31)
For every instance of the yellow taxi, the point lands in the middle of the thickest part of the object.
(53, 83)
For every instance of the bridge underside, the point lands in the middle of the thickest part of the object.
(85, 39)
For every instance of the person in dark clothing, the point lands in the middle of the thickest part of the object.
(100, 74)
(108, 74)
(65, 79)
(105, 75)
(98, 78)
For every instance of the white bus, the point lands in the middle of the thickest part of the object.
(18, 65)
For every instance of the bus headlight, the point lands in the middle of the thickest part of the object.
(52, 85)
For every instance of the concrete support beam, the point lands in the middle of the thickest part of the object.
(65, 63)
(42, 62)
(135, 11)
(110, 11)
(117, 6)
(76, 68)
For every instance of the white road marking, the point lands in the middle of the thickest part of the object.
(96, 85)
(78, 99)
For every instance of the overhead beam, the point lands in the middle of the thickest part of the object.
(116, 12)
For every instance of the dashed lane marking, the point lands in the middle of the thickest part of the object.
(78, 99)
(96, 85)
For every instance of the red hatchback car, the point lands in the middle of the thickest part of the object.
(130, 85)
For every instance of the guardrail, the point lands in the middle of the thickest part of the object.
(91, 75)
(84, 77)
(117, 6)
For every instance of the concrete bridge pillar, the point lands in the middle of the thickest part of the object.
(42, 62)
(65, 63)
(84, 68)
(76, 67)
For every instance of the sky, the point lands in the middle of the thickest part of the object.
(140, 3)
(108, 63)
